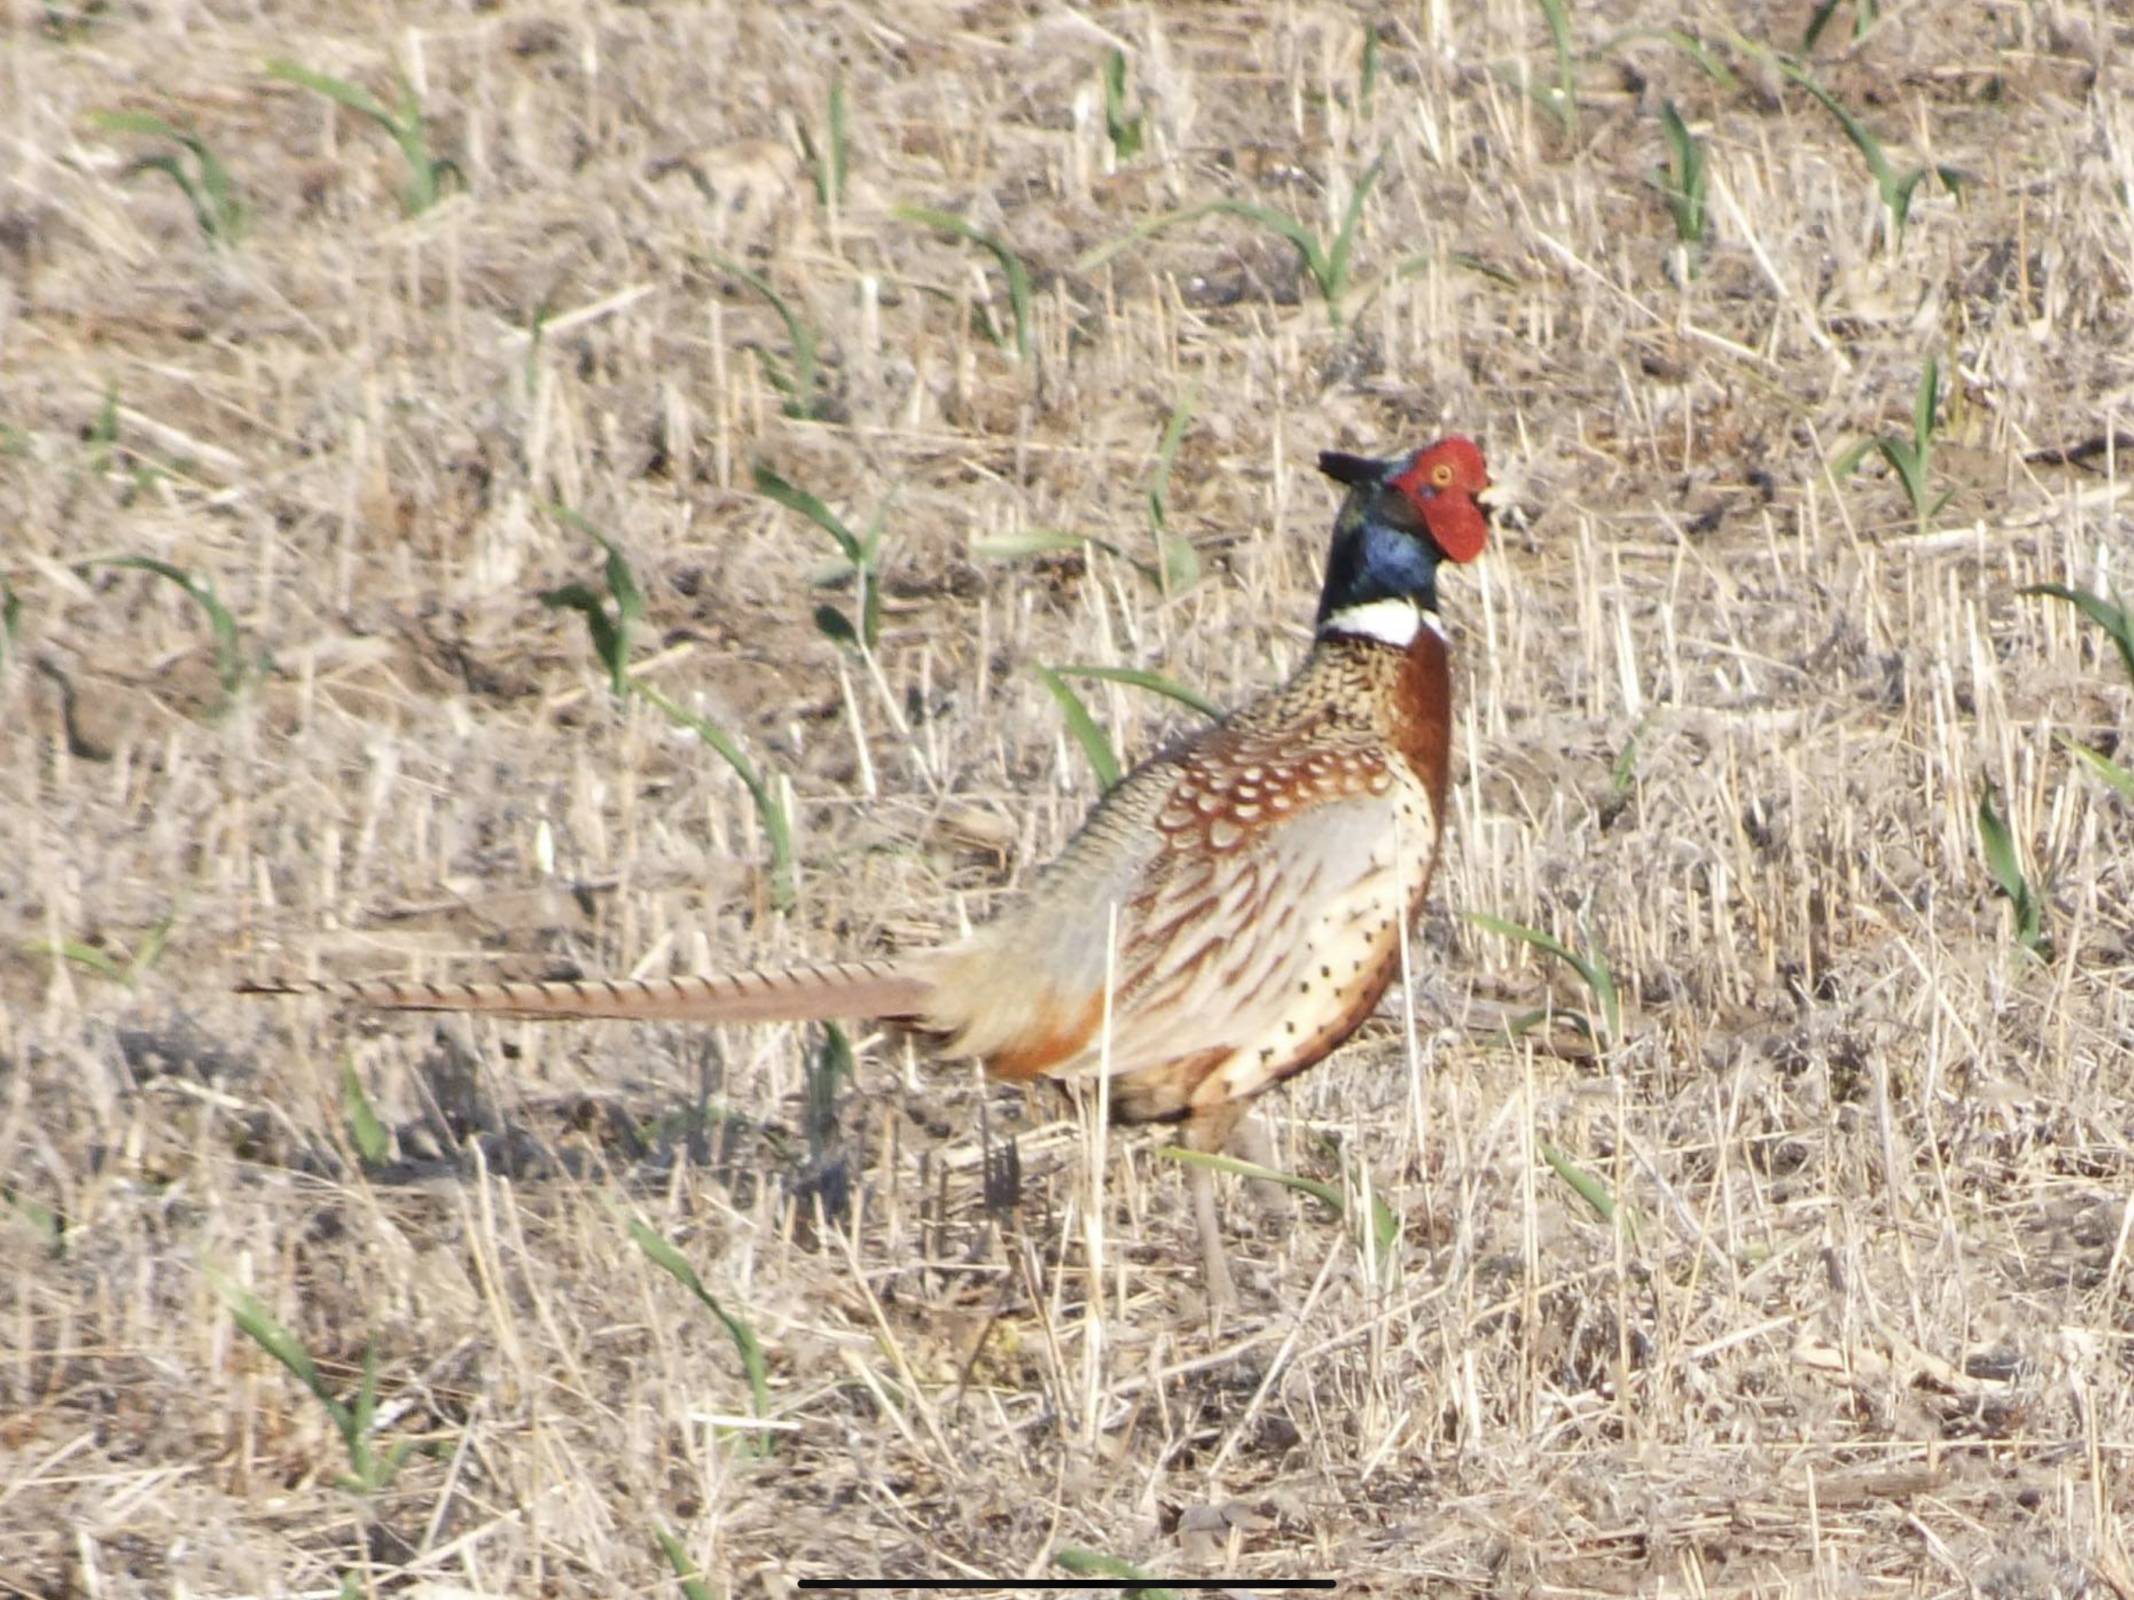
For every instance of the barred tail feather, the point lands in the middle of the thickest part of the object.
(816, 992)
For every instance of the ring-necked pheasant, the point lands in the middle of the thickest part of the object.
(1261, 872)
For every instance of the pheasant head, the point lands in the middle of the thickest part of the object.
(1401, 519)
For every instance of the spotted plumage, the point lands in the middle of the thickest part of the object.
(1235, 906)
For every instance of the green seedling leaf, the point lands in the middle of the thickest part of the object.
(267, 1331)
(607, 619)
(10, 621)
(621, 581)
(1385, 1226)
(1689, 44)
(406, 127)
(1467, 261)
(1153, 681)
(370, 1470)
(860, 556)
(230, 664)
(1925, 403)
(1178, 565)
(1863, 18)
(828, 163)
(796, 381)
(1095, 1564)
(686, 1574)
(672, 1262)
(1562, 101)
(793, 498)
(1998, 846)
(609, 629)
(210, 193)
(365, 1130)
(1102, 760)
(769, 809)
(1125, 132)
(338, 90)
(1895, 189)
(82, 955)
(829, 1067)
(2116, 620)
(1174, 433)
(1682, 182)
(1011, 264)
(1590, 1189)
(1624, 773)
(2101, 764)
(609, 644)
(102, 963)
(1328, 268)
(1367, 77)
(1034, 542)
(1911, 460)
(46, 1223)
(1593, 970)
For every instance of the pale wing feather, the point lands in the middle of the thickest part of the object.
(1227, 959)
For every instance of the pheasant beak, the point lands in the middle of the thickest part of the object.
(1489, 497)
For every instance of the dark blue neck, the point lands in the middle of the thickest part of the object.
(1371, 561)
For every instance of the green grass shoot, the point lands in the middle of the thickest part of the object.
(371, 1469)
(827, 1070)
(1912, 460)
(608, 622)
(687, 1577)
(1706, 58)
(1133, 1583)
(1997, 844)
(671, 1260)
(1865, 13)
(405, 126)
(2118, 777)
(2117, 620)
(1011, 265)
(1154, 682)
(232, 666)
(206, 186)
(1125, 131)
(828, 160)
(1177, 563)
(1559, 99)
(1384, 1230)
(1623, 771)
(1367, 73)
(1681, 182)
(1096, 745)
(129, 973)
(366, 1130)
(47, 1224)
(861, 552)
(1328, 265)
(1599, 1198)
(10, 622)
(795, 379)
(1604, 1029)
(1896, 188)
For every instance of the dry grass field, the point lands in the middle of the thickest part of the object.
(1864, 1322)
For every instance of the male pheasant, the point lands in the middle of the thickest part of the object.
(1260, 873)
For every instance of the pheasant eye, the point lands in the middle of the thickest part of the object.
(1441, 474)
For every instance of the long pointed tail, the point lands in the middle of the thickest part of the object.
(816, 992)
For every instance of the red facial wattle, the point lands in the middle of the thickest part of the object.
(1441, 483)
